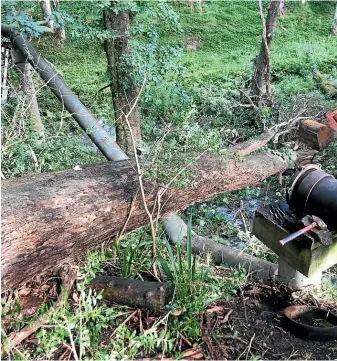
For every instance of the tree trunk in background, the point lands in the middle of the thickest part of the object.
(283, 7)
(263, 58)
(123, 88)
(55, 217)
(46, 13)
(334, 24)
(25, 74)
(59, 31)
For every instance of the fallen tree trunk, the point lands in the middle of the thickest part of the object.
(176, 228)
(53, 217)
(151, 296)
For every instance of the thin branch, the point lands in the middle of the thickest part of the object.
(140, 180)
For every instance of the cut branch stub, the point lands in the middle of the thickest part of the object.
(315, 135)
(151, 296)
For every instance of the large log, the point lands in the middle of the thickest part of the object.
(55, 217)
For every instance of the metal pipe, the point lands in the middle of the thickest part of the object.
(314, 192)
(79, 112)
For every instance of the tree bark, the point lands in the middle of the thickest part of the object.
(25, 74)
(151, 296)
(46, 13)
(334, 24)
(123, 88)
(315, 135)
(262, 61)
(283, 7)
(60, 30)
(53, 217)
(252, 145)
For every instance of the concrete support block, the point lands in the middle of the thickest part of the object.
(293, 278)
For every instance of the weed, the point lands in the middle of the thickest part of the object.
(195, 285)
(128, 253)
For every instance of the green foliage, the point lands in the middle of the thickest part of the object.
(329, 158)
(129, 252)
(195, 285)
(19, 15)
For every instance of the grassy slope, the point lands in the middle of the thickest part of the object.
(231, 36)
(230, 40)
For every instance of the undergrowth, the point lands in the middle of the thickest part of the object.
(88, 328)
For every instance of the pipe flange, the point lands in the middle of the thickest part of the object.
(304, 169)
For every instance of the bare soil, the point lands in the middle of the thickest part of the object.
(255, 330)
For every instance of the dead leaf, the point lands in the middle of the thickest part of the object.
(160, 357)
(307, 356)
(24, 292)
(209, 345)
(222, 350)
(75, 297)
(227, 316)
(45, 288)
(185, 340)
(217, 309)
(192, 354)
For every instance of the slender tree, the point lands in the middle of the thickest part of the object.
(123, 87)
(59, 30)
(25, 74)
(46, 13)
(262, 67)
(283, 7)
(334, 24)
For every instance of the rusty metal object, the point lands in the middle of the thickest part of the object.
(315, 135)
(79, 112)
(311, 223)
(320, 233)
(327, 328)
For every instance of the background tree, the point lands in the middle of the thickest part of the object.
(262, 67)
(123, 86)
(25, 74)
(135, 52)
(59, 29)
(334, 24)
(282, 7)
(46, 13)
(19, 16)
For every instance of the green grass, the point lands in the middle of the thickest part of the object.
(230, 33)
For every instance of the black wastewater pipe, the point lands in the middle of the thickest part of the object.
(78, 111)
(314, 192)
